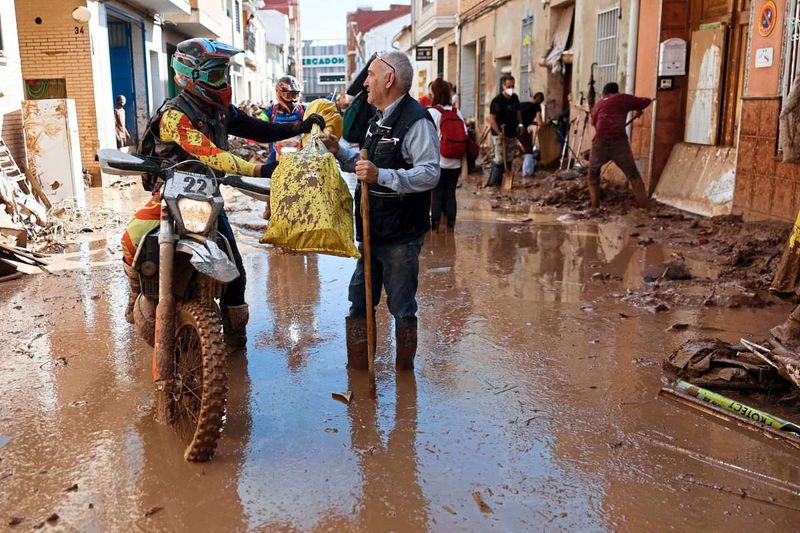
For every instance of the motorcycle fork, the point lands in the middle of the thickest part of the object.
(164, 349)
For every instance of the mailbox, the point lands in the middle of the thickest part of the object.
(672, 58)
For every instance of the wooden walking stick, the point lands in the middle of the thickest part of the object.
(368, 282)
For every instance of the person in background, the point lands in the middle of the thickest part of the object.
(610, 141)
(505, 120)
(122, 133)
(426, 99)
(532, 120)
(444, 114)
(287, 109)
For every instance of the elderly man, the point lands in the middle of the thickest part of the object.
(401, 170)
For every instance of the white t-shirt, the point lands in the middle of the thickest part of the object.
(445, 162)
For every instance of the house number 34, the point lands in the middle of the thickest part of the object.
(78, 29)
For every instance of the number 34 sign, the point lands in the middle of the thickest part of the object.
(767, 18)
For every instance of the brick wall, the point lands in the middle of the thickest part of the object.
(53, 49)
(765, 187)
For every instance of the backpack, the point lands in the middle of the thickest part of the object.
(356, 119)
(452, 132)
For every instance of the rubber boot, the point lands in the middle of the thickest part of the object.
(136, 288)
(788, 333)
(637, 186)
(357, 352)
(406, 339)
(234, 324)
(495, 176)
(594, 195)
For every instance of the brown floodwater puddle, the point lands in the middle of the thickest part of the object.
(534, 405)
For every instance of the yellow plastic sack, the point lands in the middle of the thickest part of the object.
(312, 208)
(333, 119)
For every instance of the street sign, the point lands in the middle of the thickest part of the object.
(331, 79)
(323, 61)
(424, 53)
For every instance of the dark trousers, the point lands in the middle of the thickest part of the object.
(616, 150)
(234, 291)
(443, 197)
(395, 267)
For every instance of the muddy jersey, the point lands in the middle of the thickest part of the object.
(279, 116)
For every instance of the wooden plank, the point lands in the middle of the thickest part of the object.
(704, 93)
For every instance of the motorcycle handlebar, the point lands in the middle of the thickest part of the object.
(238, 182)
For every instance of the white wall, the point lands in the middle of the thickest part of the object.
(381, 37)
(11, 84)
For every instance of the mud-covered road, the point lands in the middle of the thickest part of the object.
(534, 405)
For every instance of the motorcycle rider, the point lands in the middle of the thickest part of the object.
(195, 125)
(287, 109)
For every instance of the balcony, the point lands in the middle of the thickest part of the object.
(201, 21)
(436, 19)
(166, 7)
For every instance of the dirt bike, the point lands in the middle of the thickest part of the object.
(183, 267)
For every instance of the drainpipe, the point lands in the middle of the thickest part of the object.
(458, 57)
(633, 45)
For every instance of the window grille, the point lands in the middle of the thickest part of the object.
(605, 50)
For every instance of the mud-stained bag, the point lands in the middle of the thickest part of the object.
(312, 208)
(329, 111)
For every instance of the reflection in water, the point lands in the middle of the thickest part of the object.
(523, 398)
(293, 295)
(391, 496)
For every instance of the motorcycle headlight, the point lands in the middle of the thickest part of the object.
(195, 214)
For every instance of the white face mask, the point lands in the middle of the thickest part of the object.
(509, 91)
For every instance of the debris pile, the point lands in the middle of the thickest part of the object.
(248, 150)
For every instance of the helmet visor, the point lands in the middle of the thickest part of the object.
(290, 96)
(217, 76)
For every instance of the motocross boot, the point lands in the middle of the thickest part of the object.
(405, 332)
(594, 195)
(639, 192)
(234, 324)
(357, 353)
(788, 333)
(136, 288)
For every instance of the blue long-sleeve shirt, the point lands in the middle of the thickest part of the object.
(420, 149)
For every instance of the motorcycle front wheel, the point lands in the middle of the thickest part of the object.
(200, 390)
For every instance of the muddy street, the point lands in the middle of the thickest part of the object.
(534, 405)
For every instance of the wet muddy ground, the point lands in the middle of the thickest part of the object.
(534, 405)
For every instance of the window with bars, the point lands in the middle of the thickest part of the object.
(792, 46)
(238, 7)
(481, 79)
(526, 58)
(605, 49)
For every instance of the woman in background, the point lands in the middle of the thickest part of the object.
(444, 114)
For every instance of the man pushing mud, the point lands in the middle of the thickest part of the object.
(401, 169)
(611, 141)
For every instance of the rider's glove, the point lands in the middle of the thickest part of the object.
(307, 124)
(266, 170)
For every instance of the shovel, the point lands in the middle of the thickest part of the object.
(508, 176)
(368, 282)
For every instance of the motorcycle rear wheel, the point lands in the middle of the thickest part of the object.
(200, 388)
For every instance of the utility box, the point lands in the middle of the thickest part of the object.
(672, 58)
(53, 148)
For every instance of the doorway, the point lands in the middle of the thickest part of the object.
(122, 74)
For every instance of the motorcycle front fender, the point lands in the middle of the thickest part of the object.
(209, 259)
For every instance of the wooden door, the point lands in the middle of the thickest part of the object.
(704, 92)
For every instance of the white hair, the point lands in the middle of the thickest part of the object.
(404, 72)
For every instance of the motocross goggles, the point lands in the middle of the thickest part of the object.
(212, 75)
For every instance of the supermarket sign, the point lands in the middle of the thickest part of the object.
(323, 61)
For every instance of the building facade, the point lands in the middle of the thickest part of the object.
(324, 69)
(361, 21)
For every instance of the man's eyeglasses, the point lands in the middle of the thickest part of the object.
(378, 56)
